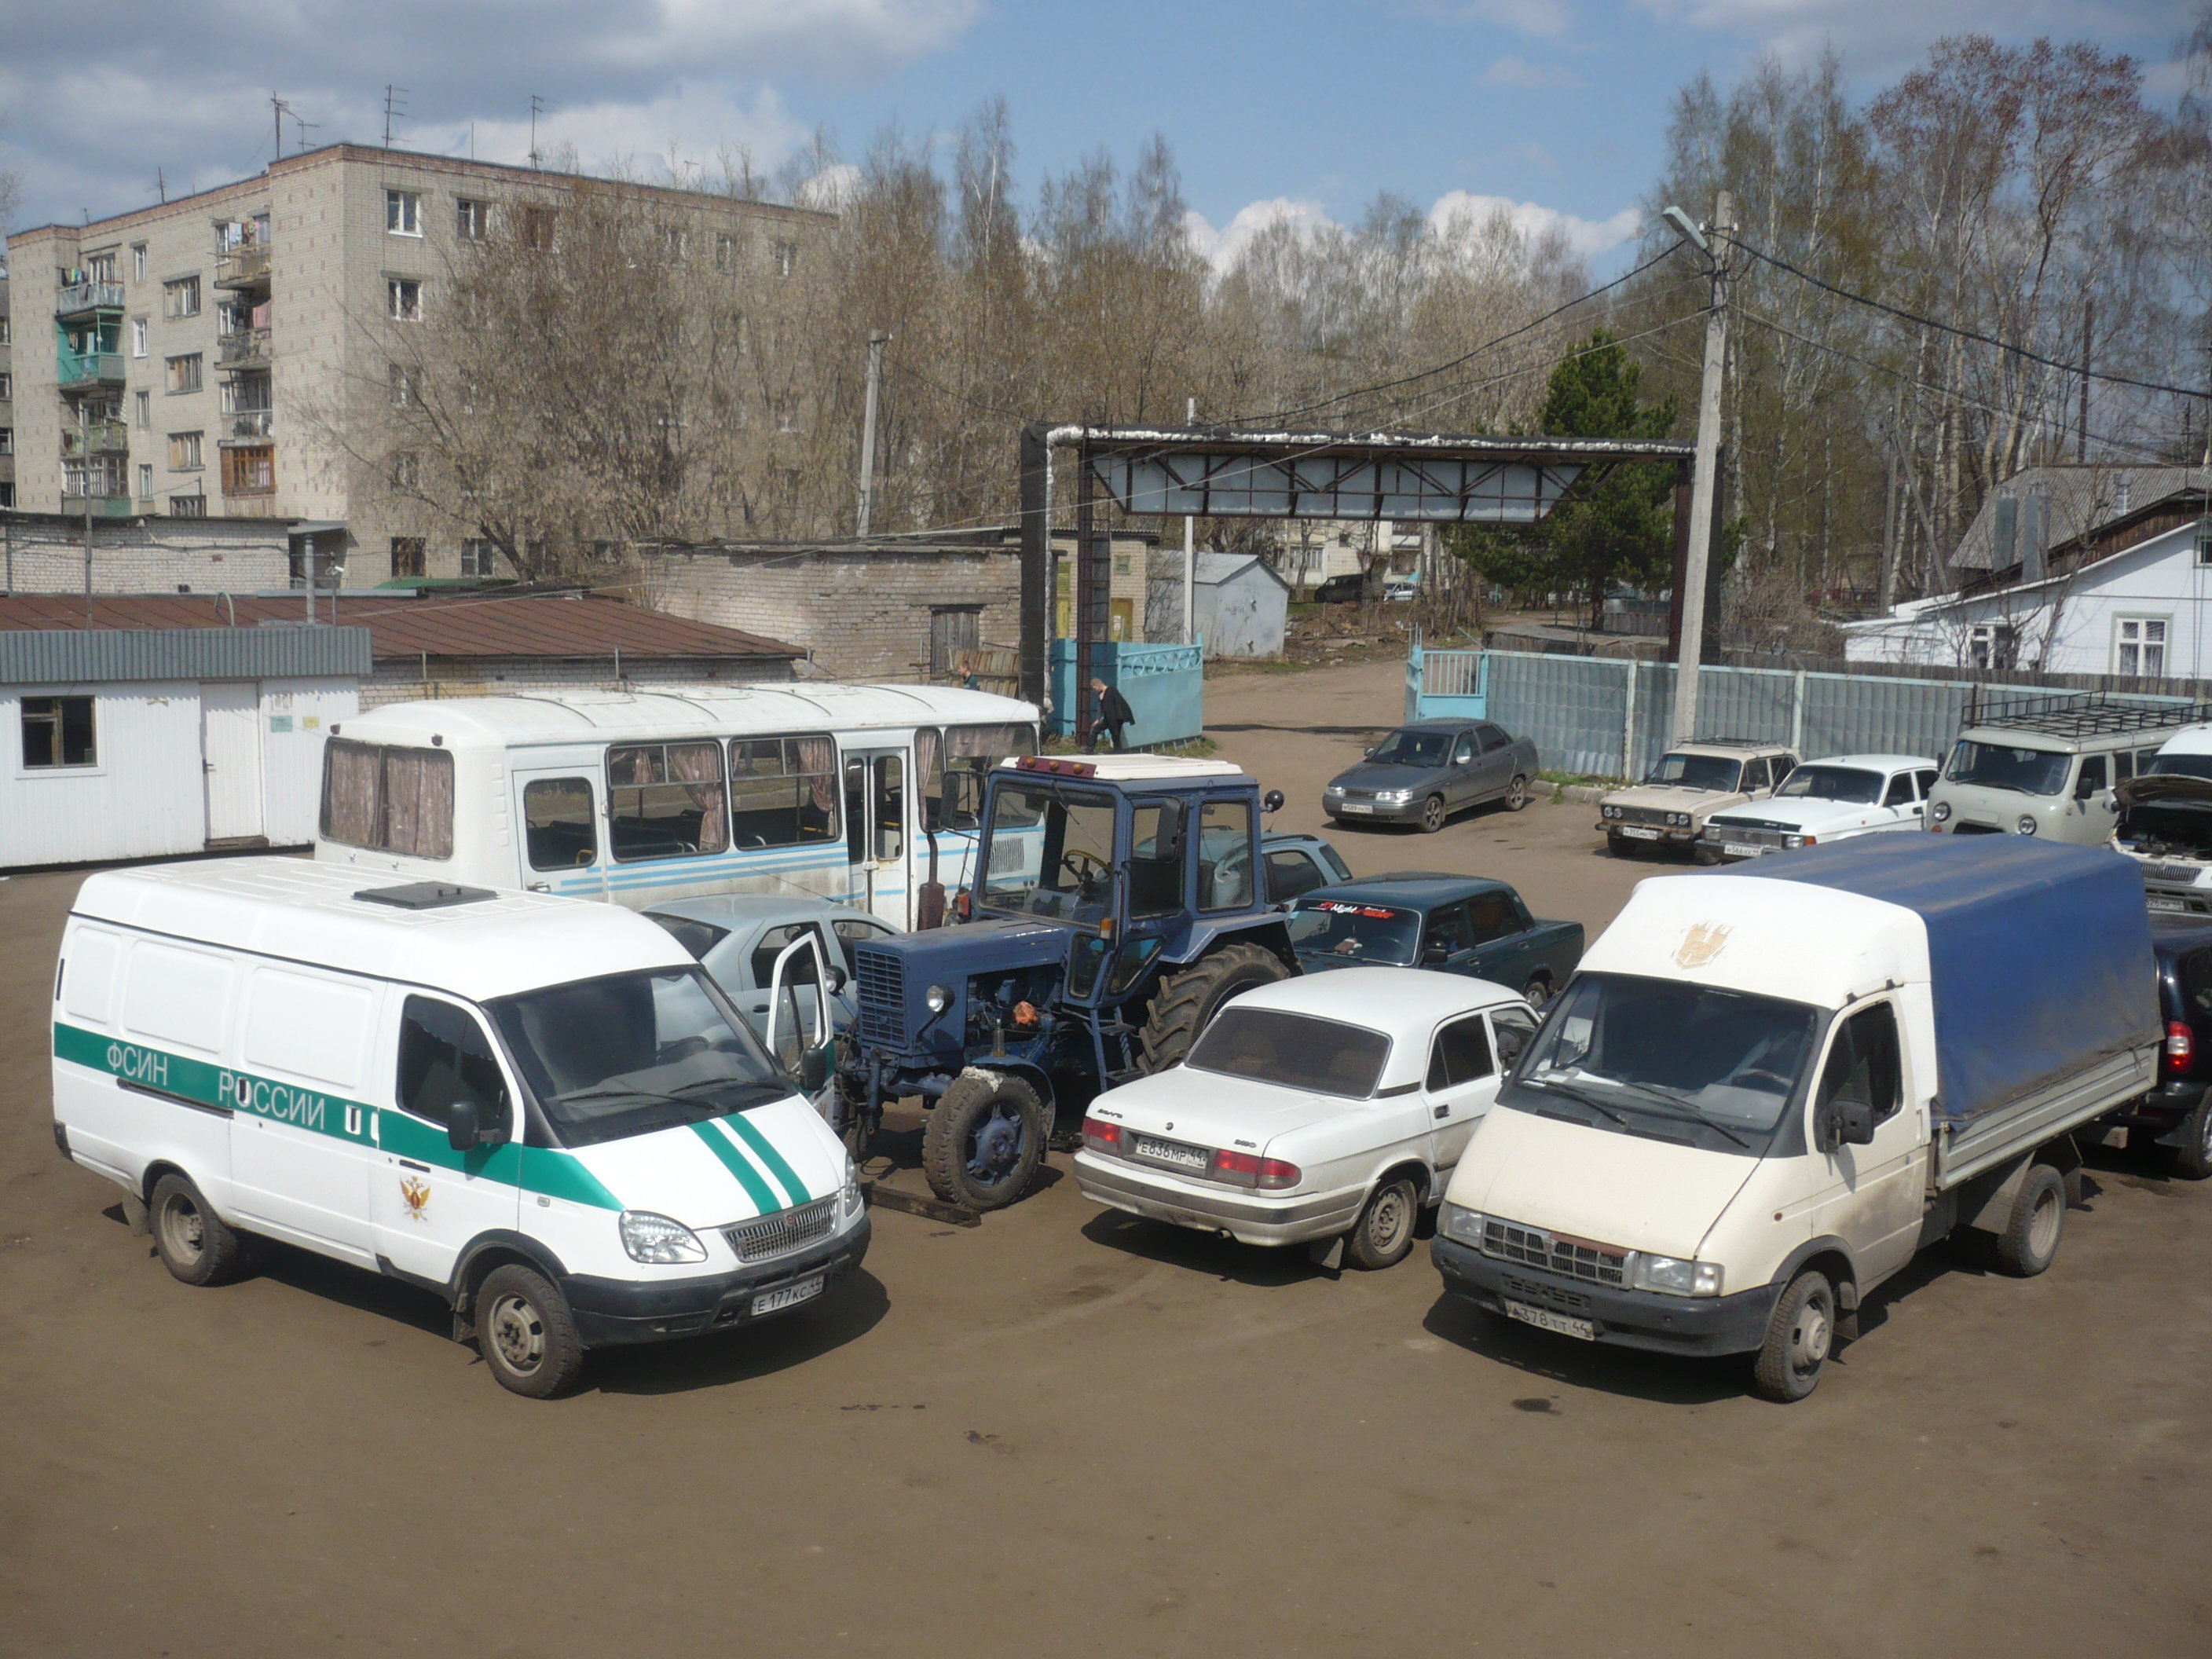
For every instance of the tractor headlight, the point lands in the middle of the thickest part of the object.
(2026, 825)
(939, 998)
(657, 1240)
(1673, 1276)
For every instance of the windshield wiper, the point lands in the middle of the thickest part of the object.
(1696, 1114)
(679, 1096)
(1590, 1101)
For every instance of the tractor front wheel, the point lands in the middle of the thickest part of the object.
(982, 1140)
(1190, 998)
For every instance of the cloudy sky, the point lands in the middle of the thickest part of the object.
(1555, 108)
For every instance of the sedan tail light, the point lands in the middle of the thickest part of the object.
(1246, 1169)
(2179, 1052)
(1100, 1136)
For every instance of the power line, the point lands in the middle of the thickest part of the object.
(1963, 333)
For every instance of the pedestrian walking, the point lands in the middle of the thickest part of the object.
(1114, 718)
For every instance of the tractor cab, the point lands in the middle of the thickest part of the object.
(1119, 902)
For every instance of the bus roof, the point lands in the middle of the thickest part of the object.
(599, 716)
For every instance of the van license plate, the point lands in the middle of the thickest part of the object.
(1545, 1320)
(2164, 901)
(1737, 850)
(1167, 1151)
(1639, 832)
(788, 1296)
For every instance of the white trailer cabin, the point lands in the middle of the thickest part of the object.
(838, 791)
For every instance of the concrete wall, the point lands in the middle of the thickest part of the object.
(396, 681)
(154, 556)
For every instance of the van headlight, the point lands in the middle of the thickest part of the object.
(2027, 824)
(1462, 1225)
(1940, 811)
(1674, 1276)
(849, 1199)
(656, 1240)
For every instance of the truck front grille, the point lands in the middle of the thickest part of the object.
(879, 980)
(1576, 1258)
(785, 1231)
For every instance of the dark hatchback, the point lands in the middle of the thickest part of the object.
(2177, 1114)
(1422, 919)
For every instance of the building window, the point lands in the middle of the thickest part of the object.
(145, 481)
(471, 219)
(404, 386)
(7, 439)
(2204, 541)
(100, 267)
(675, 243)
(537, 227)
(787, 258)
(7, 331)
(2139, 647)
(142, 407)
(137, 337)
(403, 213)
(404, 299)
(406, 469)
(726, 251)
(407, 555)
(185, 373)
(7, 492)
(188, 507)
(184, 452)
(181, 298)
(138, 262)
(1993, 644)
(249, 472)
(479, 556)
(58, 732)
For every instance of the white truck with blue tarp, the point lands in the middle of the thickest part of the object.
(1762, 1095)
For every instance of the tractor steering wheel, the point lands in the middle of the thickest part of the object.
(1088, 868)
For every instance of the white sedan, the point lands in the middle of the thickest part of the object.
(1328, 1107)
(1825, 800)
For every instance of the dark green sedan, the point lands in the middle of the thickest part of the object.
(1422, 919)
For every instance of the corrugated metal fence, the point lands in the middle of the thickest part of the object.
(1611, 719)
(79, 656)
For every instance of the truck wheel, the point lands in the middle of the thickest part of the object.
(1433, 815)
(1186, 1000)
(2193, 1159)
(1798, 1338)
(526, 1333)
(2031, 1238)
(1517, 793)
(195, 1243)
(981, 1143)
(1384, 1232)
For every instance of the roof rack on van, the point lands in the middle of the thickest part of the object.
(424, 896)
(2083, 715)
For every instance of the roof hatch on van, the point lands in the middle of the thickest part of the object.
(424, 896)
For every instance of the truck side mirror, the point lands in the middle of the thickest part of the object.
(1272, 801)
(1850, 1122)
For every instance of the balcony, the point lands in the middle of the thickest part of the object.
(81, 371)
(247, 426)
(249, 472)
(245, 348)
(86, 299)
(95, 438)
(96, 486)
(244, 266)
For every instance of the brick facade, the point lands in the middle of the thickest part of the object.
(44, 553)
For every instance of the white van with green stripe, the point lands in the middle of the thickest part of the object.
(539, 1108)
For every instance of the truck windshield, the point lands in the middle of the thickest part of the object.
(1266, 1045)
(1697, 772)
(1843, 783)
(2000, 766)
(1669, 1059)
(1051, 852)
(1355, 931)
(631, 1052)
(1413, 748)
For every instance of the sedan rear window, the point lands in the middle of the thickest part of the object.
(1295, 1051)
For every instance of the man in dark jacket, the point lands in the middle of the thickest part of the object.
(1114, 717)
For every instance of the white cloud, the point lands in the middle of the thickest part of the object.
(1878, 37)
(1587, 238)
(1223, 247)
(1519, 72)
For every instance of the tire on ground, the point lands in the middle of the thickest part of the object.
(1537, 992)
(195, 1243)
(1516, 792)
(1384, 1232)
(1433, 814)
(526, 1333)
(2193, 1159)
(1799, 1335)
(981, 1141)
(1187, 998)
(2032, 1237)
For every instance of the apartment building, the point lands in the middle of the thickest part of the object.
(206, 349)
(6, 398)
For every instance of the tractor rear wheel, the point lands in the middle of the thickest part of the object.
(1187, 998)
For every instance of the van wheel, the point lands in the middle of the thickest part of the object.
(195, 1244)
(526, 1333)
(2031, 1238)
(983, 1139)
(2193, 1159)
(1384, 1232)
(1798, 1338)
(1433, 815)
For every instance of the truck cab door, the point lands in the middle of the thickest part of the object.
(428, 1200)
(1459, 1089)
(1871, 1190)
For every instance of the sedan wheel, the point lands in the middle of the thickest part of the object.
(1517, 794)
(1433, 815)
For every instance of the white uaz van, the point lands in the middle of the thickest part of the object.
(541, 1109)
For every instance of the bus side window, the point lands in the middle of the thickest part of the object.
(558, 825)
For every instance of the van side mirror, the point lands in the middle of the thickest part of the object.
(1850, 1122)
(467, 1128)
(1272, 801)
(2085, 789)
(814, 1066)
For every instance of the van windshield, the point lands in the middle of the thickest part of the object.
(2001, 766)
(632, 1053)
(1669, 1059)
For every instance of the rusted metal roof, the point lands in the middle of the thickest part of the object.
(574, 627)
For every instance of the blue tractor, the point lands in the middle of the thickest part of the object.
(1118, 903)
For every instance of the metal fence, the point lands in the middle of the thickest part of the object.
(1610, 718)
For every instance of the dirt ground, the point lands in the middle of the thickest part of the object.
(1065, 1433)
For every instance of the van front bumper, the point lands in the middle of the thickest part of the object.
(609, 1311)
(1627, 1319)
(1248, 1216)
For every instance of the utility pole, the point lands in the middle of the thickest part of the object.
(1703, 479)
(2081, 431)
(84, 476)
(1190, 553)
(868, 432)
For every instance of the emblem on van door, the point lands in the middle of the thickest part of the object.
(417, 1196)
(1701, 945)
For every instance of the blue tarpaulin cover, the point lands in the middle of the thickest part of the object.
(2039, 952)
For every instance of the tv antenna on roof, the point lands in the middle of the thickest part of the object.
(537, 108)
(395, 107)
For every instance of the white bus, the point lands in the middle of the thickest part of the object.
(837, 791)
